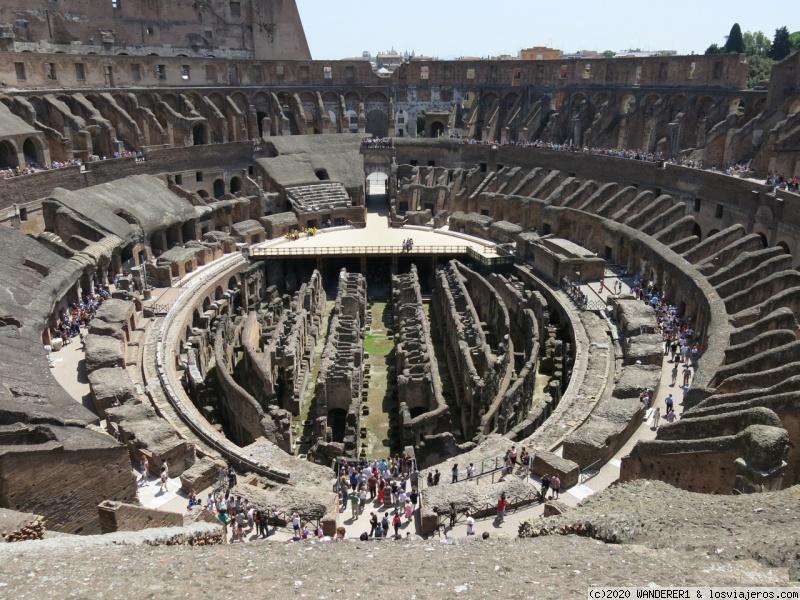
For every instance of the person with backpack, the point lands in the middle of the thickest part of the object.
(545, 486)
(385, 523)
(396, 523)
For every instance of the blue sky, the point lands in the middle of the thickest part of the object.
(344, 28)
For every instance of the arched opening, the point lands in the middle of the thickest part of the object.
(260, 116)
(233, 283)
(8, 155)
(377, 123)
(713, 232)
(219, 188)
(32, 154)
(697, 231)
(322, 174)
(337, 421)
(437, 129)
(218, 293)
(236, 185)
(376, 184)
(202, 193)
(763, 240)
(206, 304)
(195, 320)
(783, 246)
(200, 134)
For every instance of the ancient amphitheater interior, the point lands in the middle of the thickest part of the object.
(219, 253)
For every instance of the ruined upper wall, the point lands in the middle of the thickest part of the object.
(296, 68)
(260, 29)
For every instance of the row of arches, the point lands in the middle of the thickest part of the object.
(32, 153)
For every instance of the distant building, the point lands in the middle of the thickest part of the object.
(540, 53)
(584, 54)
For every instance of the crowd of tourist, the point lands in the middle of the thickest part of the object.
(377, 143)
(616, 152)
(781, 183)
(408, 245)
(69, 322)
(387, 484)
(574, 291)
(31, 167)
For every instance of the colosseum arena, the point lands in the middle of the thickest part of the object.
(245, 301)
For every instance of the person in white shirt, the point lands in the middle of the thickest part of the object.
(470, 525)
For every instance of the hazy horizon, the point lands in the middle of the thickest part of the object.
(468, 28)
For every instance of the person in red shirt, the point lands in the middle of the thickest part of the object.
(501, 507)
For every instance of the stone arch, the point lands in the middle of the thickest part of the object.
(233, 282)
(627, 104)
(677, 106)
(309, 103)
(172, 101)
(32, 149)
(236, 185)
(487, 100)
(377, 123)
(697, 231)
(783, 246)
(8, 155)
(704, 107)
(200, 134)
(763, 236)
(202, 193)
(436, 129)
(217, 100)
(146, 101)
(736, 106)
(712, 233)
(509, 100)
(219, 188)
(219, 293)
(351, 101)
(206, 304)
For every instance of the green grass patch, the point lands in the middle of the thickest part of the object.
(378, 345)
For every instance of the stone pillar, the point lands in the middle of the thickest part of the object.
(674, 139)
(576, 131)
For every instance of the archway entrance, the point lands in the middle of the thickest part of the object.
(378, 195)
(437, 129)
(31, 152)
(200, 135)
(377, 123)
(8, 155)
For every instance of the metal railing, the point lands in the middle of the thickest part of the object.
(356, 251)
(488, 509)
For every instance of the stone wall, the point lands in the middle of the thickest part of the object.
(341, 372)
(419, 386)
(63, 473)
(117, 516)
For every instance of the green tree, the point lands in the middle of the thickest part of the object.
(756, 44)
(421, 123)
(795, 40)
(760, 69)
(781, 44)
(609, 54)
(734, 44)
(713, 49)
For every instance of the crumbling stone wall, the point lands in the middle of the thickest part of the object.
(419, 386)
(247, 420)
(479, 367)
(118, 516)
(341, 372)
